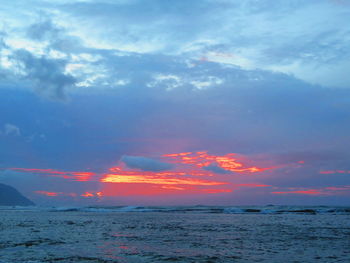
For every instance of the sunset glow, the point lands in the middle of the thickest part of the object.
(74, 176)
(184, 173)
(302, 192)
(324, 191)
(47, 193)
(182, 178)
(229, 162)
(87, 194)
(335, 172)
(120, 178)
(175, 101)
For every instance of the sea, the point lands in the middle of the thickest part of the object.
(269, 209)
(207, 234)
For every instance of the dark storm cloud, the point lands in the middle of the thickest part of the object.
(145, 164)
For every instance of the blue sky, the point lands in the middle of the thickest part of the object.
(91, 85)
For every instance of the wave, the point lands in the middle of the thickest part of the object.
(270, 209)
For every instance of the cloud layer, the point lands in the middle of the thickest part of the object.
(86, 85)
(145, 164)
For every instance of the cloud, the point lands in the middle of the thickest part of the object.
(27, 182)
(215, 169)
(43, 30)
(145, 164)
(241, 84)
(62, 54)
(10, 129)
(47, 74)
(254, 34)
(54, 37)
(39, 58)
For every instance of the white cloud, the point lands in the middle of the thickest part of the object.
(11, 130)
(250, 34)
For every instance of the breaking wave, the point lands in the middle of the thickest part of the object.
(270, 209)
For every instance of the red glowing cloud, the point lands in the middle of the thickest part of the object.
(150, 179)
(253, 185)
(144, 189)
(182, 179)
(124, 182)
(324, 191)
(229, 162)
(302, 192)
(87, 194)
(335, 172)
(47, 193)
(54, 194)
(188, 174)
(74, 176)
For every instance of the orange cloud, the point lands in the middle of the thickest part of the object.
(253, 185)
(331, 190)
(55, 194)
(87, 194)
(217, 191)
(30, 170)
(303, 192)
(182, 179)
(74, 176)
(188, 174)
(335, 172)
(228, 162)
(145, 189)
(124, 181)
(147, 179)
(47, 193)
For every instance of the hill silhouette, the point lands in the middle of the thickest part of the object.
(9, 196)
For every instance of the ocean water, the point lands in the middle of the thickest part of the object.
(175, 234)
(269, 209)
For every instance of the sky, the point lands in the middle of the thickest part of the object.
(213, 102)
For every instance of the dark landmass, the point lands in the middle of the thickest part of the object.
(9, 196)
